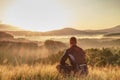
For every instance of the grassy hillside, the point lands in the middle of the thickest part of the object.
(7, 27)
(30, 61)
(51, 51)
(4, 35)
(104, 64)
(48, 72)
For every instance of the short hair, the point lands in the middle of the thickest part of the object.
(73, 40)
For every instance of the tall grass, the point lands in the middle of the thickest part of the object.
(49, 72)
(25, 62)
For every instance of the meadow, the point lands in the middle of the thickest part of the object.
(49, 72)
(28, 61)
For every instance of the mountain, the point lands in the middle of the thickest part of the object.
(6, 27)
(66, 31)
(115, 29)
(71, 31)
(112, 35)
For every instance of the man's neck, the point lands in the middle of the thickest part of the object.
(73, 45)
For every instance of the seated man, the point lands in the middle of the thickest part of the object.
(76, 56)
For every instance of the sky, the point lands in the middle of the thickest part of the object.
(46, 15)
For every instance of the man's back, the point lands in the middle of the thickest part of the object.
(76, 57)
(78, 54)
(75, 54)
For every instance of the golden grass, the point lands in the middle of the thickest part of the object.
(49, 72)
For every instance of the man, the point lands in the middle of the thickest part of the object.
(77, 60)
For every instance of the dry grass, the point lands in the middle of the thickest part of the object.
(48, 72)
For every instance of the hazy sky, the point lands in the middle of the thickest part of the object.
(44, 15)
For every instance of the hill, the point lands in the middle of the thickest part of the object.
(4, 35)
(6, 27)
(115, 29)
(71, 31)
(113, 35)
(66, 31)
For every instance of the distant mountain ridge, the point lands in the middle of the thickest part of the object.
(71, 31)
(6, 27)
(115, 29)
(65, 31)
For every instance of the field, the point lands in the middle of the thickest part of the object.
(22, 59)
(48, 72)
(100, 66)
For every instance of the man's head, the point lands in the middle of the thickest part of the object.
(73, 41)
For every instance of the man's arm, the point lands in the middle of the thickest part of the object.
(64, 58)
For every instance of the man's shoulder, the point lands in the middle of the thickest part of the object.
(79, 47)
(68, 49)
(73, 48)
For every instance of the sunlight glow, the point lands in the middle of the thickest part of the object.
(45, 15)
(38, 15)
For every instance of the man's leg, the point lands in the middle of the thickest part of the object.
(84, 70)
(65, 69)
